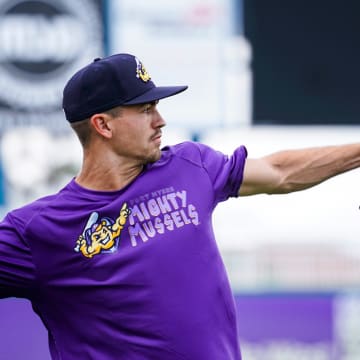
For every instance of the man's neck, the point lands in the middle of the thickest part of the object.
(107, 176)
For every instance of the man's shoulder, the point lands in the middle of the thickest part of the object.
(188, 150)
(23, 215)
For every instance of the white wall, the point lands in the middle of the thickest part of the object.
(328, 213)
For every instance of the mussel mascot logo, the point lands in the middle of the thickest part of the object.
(141, 72)
(101, 236)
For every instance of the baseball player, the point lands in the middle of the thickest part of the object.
(122, 262)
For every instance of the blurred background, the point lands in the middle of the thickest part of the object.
(267, 74)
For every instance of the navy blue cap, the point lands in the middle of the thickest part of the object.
(108, 82)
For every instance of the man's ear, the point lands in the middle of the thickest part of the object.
(100, 122)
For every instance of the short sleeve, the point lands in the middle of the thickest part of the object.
(225, 172)
(16, 265)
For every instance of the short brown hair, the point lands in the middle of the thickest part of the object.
(83, 131)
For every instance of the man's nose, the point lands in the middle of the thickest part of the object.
(158, 120)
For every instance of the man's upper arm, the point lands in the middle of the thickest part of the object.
(259, 177)
(16, 265)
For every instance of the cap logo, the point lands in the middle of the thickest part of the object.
(141, 72)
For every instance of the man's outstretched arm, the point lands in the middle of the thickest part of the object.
(294, 170)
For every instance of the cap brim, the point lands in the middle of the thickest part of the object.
(156, 93)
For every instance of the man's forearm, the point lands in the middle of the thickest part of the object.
(301, 169)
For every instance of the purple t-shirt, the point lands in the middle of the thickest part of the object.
(133, 274)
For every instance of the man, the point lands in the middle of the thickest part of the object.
(122, 263)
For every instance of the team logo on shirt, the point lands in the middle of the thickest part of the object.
(141, 72)
(101, 235)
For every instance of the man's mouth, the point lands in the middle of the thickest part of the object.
(156, 138)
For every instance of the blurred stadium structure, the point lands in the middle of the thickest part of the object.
(293, 261)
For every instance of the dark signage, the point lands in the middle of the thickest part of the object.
(42, 43)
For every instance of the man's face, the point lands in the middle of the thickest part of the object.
(137, 131)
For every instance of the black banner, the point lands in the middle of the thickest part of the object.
(305, 61)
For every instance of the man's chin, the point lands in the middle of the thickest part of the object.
(153, 157)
